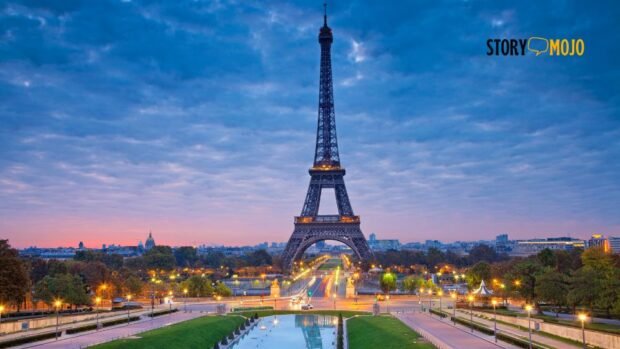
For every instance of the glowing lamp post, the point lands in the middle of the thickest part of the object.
(430, 302)
(170, 301)
(439, 294)
(494, 302)
(453, 296)
(583, 318)
(185, 300)
(127, 305)
(470, 298)
(420, 296)
(528, 308)
(334, 297)
(97, 302)
(57, 305)
(1, 311)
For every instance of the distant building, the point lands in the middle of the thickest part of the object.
(598, 240)
(502, 244)
(533, 246)
(614, 244)
(382, 244)
(81, 246)
(150, 242)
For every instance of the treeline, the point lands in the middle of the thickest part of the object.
(560, 280)
(434, 257)
(92, 273)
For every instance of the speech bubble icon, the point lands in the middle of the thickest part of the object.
(538, 45)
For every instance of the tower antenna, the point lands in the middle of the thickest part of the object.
(325, 13)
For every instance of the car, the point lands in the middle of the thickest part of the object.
(295, 299)
(306, 307)
(380, 297)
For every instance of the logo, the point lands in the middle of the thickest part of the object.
(536, 45)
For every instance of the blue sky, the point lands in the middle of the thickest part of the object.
(196, 119)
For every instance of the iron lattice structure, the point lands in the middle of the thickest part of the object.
(310, 227)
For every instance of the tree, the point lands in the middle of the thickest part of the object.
(14, 278)
(186, 256)
(222, 290)
(546, 258)
(388, 282)
(95, 274)
(523, 279)
(480, 271)
(65, 287)
(552, 288)
(258, 258)
(483, 253)
(198, 286)
(434, 256)
(133, 285)
(584, 287)
(413, 283)
(606, 282)
(159, 257)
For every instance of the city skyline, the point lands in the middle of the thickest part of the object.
(201, 126)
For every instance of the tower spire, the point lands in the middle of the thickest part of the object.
(325, 13)
(326, 152)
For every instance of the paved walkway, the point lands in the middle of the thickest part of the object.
(519, 333)
(121, 331)
(451, 336)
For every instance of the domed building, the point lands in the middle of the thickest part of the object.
(150, 242)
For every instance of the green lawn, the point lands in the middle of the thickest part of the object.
(203, 332)
(385, 332)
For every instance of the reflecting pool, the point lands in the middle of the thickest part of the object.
(291, 331)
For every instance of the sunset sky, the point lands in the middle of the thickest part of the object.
(197, 119)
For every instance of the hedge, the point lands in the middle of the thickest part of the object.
(164, 312)
(252, 308)
(477, 327)
(29, 339)
(81, 329)
(120, 321)
(438, 313)
(522, 343)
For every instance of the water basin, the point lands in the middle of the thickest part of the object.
(308, 331)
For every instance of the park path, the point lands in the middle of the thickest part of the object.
(521, 333)
(450, 336)
(78, 341)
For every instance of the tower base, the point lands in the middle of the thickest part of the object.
(307, 234)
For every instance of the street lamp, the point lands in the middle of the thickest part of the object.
(440, 293)
(470, 298)
(1, 311)
(453, 296)
(334, 297)
(57, 305)
(388, 303)
(494, 302)
(153, 282)
(420, 296)
(185, 300)
(583, 317)
(528, 308)
(97, 302)
(127, 305)
(170, 301)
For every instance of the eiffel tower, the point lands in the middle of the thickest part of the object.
(310, 227)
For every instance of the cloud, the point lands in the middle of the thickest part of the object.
(198, 120)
